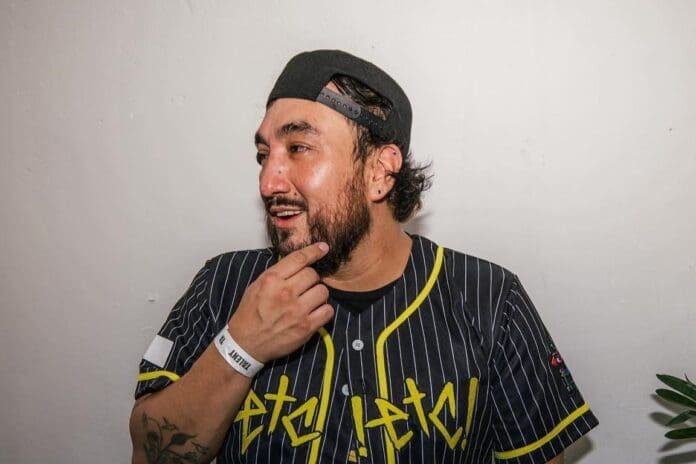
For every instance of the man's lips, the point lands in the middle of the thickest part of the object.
(284, 217)
(284, 211)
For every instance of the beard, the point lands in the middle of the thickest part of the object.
(343, 228)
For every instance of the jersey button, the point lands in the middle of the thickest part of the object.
(358, 344)
(345, 389)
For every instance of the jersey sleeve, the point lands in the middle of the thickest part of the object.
(538, 409)
(187, 332)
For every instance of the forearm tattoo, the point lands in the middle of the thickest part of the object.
(165, 444)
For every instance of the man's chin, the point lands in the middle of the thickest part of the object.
(325, 267)
(284, 244)
(284, 250)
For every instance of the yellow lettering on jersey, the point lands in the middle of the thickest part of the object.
(252, 407)
(307, 409)
(446, 398)
(473, 389)
(280, 399)
(356, 405)
(388, 415)
(415, 397)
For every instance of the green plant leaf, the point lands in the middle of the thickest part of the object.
(684, 387)
(683, 417)
(674, 397)
(681, 434)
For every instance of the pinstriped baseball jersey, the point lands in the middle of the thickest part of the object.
(451, 363)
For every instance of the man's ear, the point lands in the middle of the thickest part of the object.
(384, 161)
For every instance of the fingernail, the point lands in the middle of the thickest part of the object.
(323, 246)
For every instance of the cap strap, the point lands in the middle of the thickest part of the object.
(350, 109)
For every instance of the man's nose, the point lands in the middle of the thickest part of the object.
(273, 179)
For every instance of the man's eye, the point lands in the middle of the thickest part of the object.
(261, 157)
(297, 148)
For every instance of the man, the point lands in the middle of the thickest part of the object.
(349, 340)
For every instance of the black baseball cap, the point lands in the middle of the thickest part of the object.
(306, 75)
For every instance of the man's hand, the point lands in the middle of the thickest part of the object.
(284, 307)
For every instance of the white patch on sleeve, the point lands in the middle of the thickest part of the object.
(158, 351)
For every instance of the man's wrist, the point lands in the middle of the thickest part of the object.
(235, 355)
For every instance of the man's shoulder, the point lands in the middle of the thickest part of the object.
(479, 288)
(470, 264)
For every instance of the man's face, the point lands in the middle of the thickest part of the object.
(312, 187)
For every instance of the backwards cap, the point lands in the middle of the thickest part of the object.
(306, 75)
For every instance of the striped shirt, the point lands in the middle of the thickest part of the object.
(452, 364)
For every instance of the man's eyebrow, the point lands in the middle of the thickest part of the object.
(296, 127)
(293, 127)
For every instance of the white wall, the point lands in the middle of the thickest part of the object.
(563, 136)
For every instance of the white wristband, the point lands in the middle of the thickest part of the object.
(240, 360)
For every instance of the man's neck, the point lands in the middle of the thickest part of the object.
(379, 259)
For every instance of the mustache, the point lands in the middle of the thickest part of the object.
(283, 201)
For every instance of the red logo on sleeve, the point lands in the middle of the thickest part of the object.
(559, 367)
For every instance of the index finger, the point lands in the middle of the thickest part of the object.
(300, 259)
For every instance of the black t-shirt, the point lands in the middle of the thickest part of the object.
(359, 301)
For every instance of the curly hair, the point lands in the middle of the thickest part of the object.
(412, 179)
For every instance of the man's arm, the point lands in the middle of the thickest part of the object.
(527, 351)
(278, 313)
(190, 417)
(557, 460)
